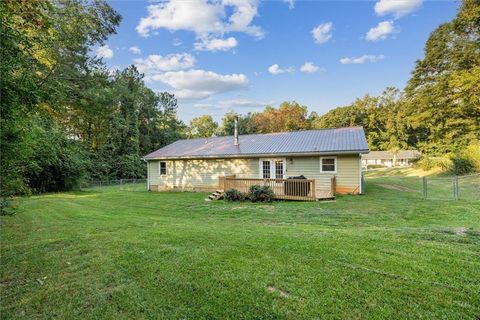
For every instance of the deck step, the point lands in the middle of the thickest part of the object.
(218, 194)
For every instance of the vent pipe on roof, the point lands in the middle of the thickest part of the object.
(236, 131)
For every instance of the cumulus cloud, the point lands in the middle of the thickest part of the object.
(215, 44)
(104, 52)
(381, 31)
(275, 69)
(202, 17)
(135, 50)
(309, 67)
(323, 32)
(362, 59)
(200, 84)
(398, 8)
(155, 63)
(291, 3)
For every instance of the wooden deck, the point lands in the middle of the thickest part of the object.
(287, 189)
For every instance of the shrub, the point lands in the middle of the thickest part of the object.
(427, 163)
(462, 165)
(234, 195)
(6, 208)
(472, 153)
(260, 193)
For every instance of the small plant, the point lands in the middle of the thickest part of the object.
(260, 193)
(6, 208)
(234, 195)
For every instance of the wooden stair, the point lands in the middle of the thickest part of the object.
(217, 195)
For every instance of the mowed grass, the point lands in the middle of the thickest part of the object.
(122, 252)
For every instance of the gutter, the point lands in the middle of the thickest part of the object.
(260, 155)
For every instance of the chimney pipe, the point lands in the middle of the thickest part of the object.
(236, 131)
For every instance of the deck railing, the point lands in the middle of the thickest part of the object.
(289, 189)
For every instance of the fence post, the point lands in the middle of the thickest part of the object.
(455, 187)
(425, 185)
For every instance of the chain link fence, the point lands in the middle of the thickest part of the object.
(135, 183)
(451, 188)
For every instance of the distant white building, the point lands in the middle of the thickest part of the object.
(402, 158)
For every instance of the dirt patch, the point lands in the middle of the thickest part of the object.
(283, 294)
(460, 231)
(396, 187)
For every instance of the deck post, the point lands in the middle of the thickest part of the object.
(333, 184)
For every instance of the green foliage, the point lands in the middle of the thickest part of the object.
(427, 162)
(64, 117)
(6, 207)
(260, 193)
(234, 195)
(461, 166)
(202, 127)
(467, 161)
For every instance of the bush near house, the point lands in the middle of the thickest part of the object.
(260, 193)
(235, 195)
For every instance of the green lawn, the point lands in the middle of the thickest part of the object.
(122, 252)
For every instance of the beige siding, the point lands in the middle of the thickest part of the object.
(347, 175)
(203, 174)
(200, 174)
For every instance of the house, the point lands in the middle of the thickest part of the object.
(388, 159)
(318, 155)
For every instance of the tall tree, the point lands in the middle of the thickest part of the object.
(202, 126)
(442, 115)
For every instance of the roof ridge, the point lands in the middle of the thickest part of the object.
(271, 133)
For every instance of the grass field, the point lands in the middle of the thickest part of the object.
(121, 252)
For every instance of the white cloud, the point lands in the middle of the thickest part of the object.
(322, 32)
(398, 8)
(177, 42)
(309, 67)
(381, 31)
(202, 17)
(362, 59)
(291, 3)
(135, 50)
(104, 52)
(155, 63)
(275, 69)
(200, 84)
(232, 104)
(215, 44)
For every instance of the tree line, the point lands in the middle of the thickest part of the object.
(66, 118)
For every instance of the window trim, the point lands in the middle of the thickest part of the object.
(272, 167)
(334, 163)
(160, 168)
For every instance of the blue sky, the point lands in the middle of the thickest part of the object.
(243, 54)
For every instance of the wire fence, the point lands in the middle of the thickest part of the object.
(451, 188)
(116, 182)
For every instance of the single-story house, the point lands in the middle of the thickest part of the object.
(402, 158)
(198, 164)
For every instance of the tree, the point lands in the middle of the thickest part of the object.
(290, 116)
(228, 124)
(202, 127)
(441, 113)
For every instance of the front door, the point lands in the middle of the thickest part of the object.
(272, 168)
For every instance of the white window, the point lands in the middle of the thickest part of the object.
(163, 168)
(266, 169)
(272, 168)
(328, 164)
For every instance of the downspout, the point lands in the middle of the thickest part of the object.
(148, 174)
